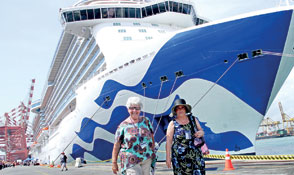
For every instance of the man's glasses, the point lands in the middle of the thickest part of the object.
(135, 108)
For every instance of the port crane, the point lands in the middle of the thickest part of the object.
(288, 122)
(269, 126)
(13, 134)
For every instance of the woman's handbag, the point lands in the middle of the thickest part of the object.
(204, 149)
(198, 142)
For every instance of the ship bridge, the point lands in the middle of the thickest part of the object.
(81, 17)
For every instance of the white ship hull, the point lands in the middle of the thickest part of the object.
(230, 96)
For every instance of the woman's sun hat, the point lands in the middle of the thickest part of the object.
(181, 102)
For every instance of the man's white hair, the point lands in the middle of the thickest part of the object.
(134, 101)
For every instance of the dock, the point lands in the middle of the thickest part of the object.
(212, 168)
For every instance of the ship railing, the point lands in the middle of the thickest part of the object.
(84, 13)
(100, 70)
(69, 97)
(93, 2)
(103, 68)
(65, 81)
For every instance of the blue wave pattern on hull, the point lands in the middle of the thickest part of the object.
(215, 141)
(102, 150)
(86, 133)
(233, 140)
(200, 53)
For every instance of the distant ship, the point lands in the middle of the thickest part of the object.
(277, 134)
(229, 71)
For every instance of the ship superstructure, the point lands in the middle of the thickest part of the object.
(229, 71)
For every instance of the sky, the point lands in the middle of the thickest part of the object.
(30, 31)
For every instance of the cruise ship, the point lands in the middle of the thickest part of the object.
(228, 70)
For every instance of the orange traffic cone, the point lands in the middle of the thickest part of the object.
(228, 165)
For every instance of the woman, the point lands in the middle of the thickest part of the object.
(185, 157)
(135, 141)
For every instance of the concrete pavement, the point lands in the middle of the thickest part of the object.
(213, 168)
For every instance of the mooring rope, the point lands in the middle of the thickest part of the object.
(82, 128)
(166, 104)
(157, 101)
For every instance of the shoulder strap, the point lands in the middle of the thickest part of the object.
(193, 124)
(146, 119)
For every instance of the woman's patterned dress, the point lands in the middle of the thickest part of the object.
(187, 159)
(136, 142)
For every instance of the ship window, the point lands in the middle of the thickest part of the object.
(127, 38)
(126, 12)
(180, 7)
(185, 8)
(118, 12)
(83, 15)
(64, 16)
(111, 13)
(170, 3)
(122, 30)
(143, 12)
(138, 13)
(90, 14)
(188, 9)
(197, 21)
(104, 13)
(148, 10)
(69, 17)
(136, 24)
(148, 37)
(77, 16)
(167, 6)
(175, 6)
(97, 14)
(162, 7)
(155, 9)
(142, 30)
(132, 12)
(161, 31)
(116, 24)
